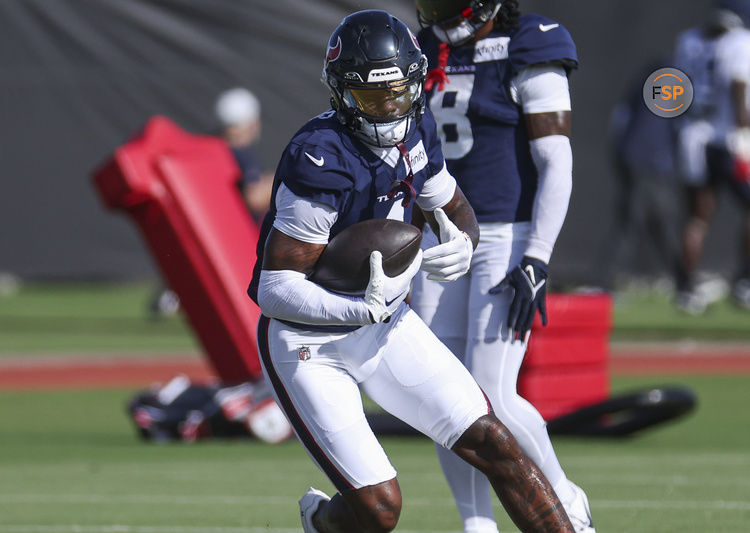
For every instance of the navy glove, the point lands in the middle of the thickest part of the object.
(529, 283)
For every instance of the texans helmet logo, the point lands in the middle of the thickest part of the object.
(333, 51)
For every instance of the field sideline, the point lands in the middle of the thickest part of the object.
(64, 371)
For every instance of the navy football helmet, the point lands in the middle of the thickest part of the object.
(375, 71)
(456, 21)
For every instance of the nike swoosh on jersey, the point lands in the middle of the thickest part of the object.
(318, 161)
(548, 27)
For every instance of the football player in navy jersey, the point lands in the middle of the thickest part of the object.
(498, 91)
(376, 154)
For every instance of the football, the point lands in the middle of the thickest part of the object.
(344, 265)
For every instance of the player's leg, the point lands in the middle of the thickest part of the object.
(489, 447)
(496, 359)
(422, 383)
(740, 184)
(741, 289)
(323, 403)
(701, 204)
(374, 508)
(700, 195)
(444, 308)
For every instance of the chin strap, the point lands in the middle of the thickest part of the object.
(438, 75)
(404, 185)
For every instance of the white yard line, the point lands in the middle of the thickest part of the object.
(75, 528)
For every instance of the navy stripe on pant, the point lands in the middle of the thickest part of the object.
(304, 435)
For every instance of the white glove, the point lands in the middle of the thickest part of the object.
(451, 259)
(384, 294)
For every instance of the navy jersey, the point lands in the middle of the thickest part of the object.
(484, 138)
(323, 163)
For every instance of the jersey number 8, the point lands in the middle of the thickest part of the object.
(449, 108)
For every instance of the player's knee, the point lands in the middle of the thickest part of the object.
(488, 444)
(499, 441)
(382, 517)
(378, 507)
(382, 521)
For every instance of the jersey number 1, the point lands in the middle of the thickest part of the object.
(449, 108)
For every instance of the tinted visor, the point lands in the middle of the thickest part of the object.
(391, 102)
(450, 23)
(441, 11)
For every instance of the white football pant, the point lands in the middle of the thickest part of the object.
(474, 325)
(399, 364)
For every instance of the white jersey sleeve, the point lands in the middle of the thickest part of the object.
(437, 191)
(303, 219)
(541, 89)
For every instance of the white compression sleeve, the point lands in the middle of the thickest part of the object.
(288, 295)
(553, 159)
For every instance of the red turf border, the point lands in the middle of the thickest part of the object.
(96, 372)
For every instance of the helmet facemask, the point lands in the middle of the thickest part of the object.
(382, 114)
(460, 28)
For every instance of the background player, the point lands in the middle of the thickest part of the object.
(500, 98)
(374, 156)
(238, 113)
(714, 142)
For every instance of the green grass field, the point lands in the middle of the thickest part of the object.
(70, 461)
(103, 318)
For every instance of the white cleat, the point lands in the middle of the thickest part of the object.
(308, 504)
(579, 512)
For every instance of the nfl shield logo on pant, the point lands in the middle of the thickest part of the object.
(304, 353)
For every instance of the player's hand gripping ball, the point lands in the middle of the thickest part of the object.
(344, 265)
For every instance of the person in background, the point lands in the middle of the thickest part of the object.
(714, 143)
(499, 94)
(238, 113)
(645, 214)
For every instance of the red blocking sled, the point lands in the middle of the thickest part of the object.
(566, 364)
(180, 189)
